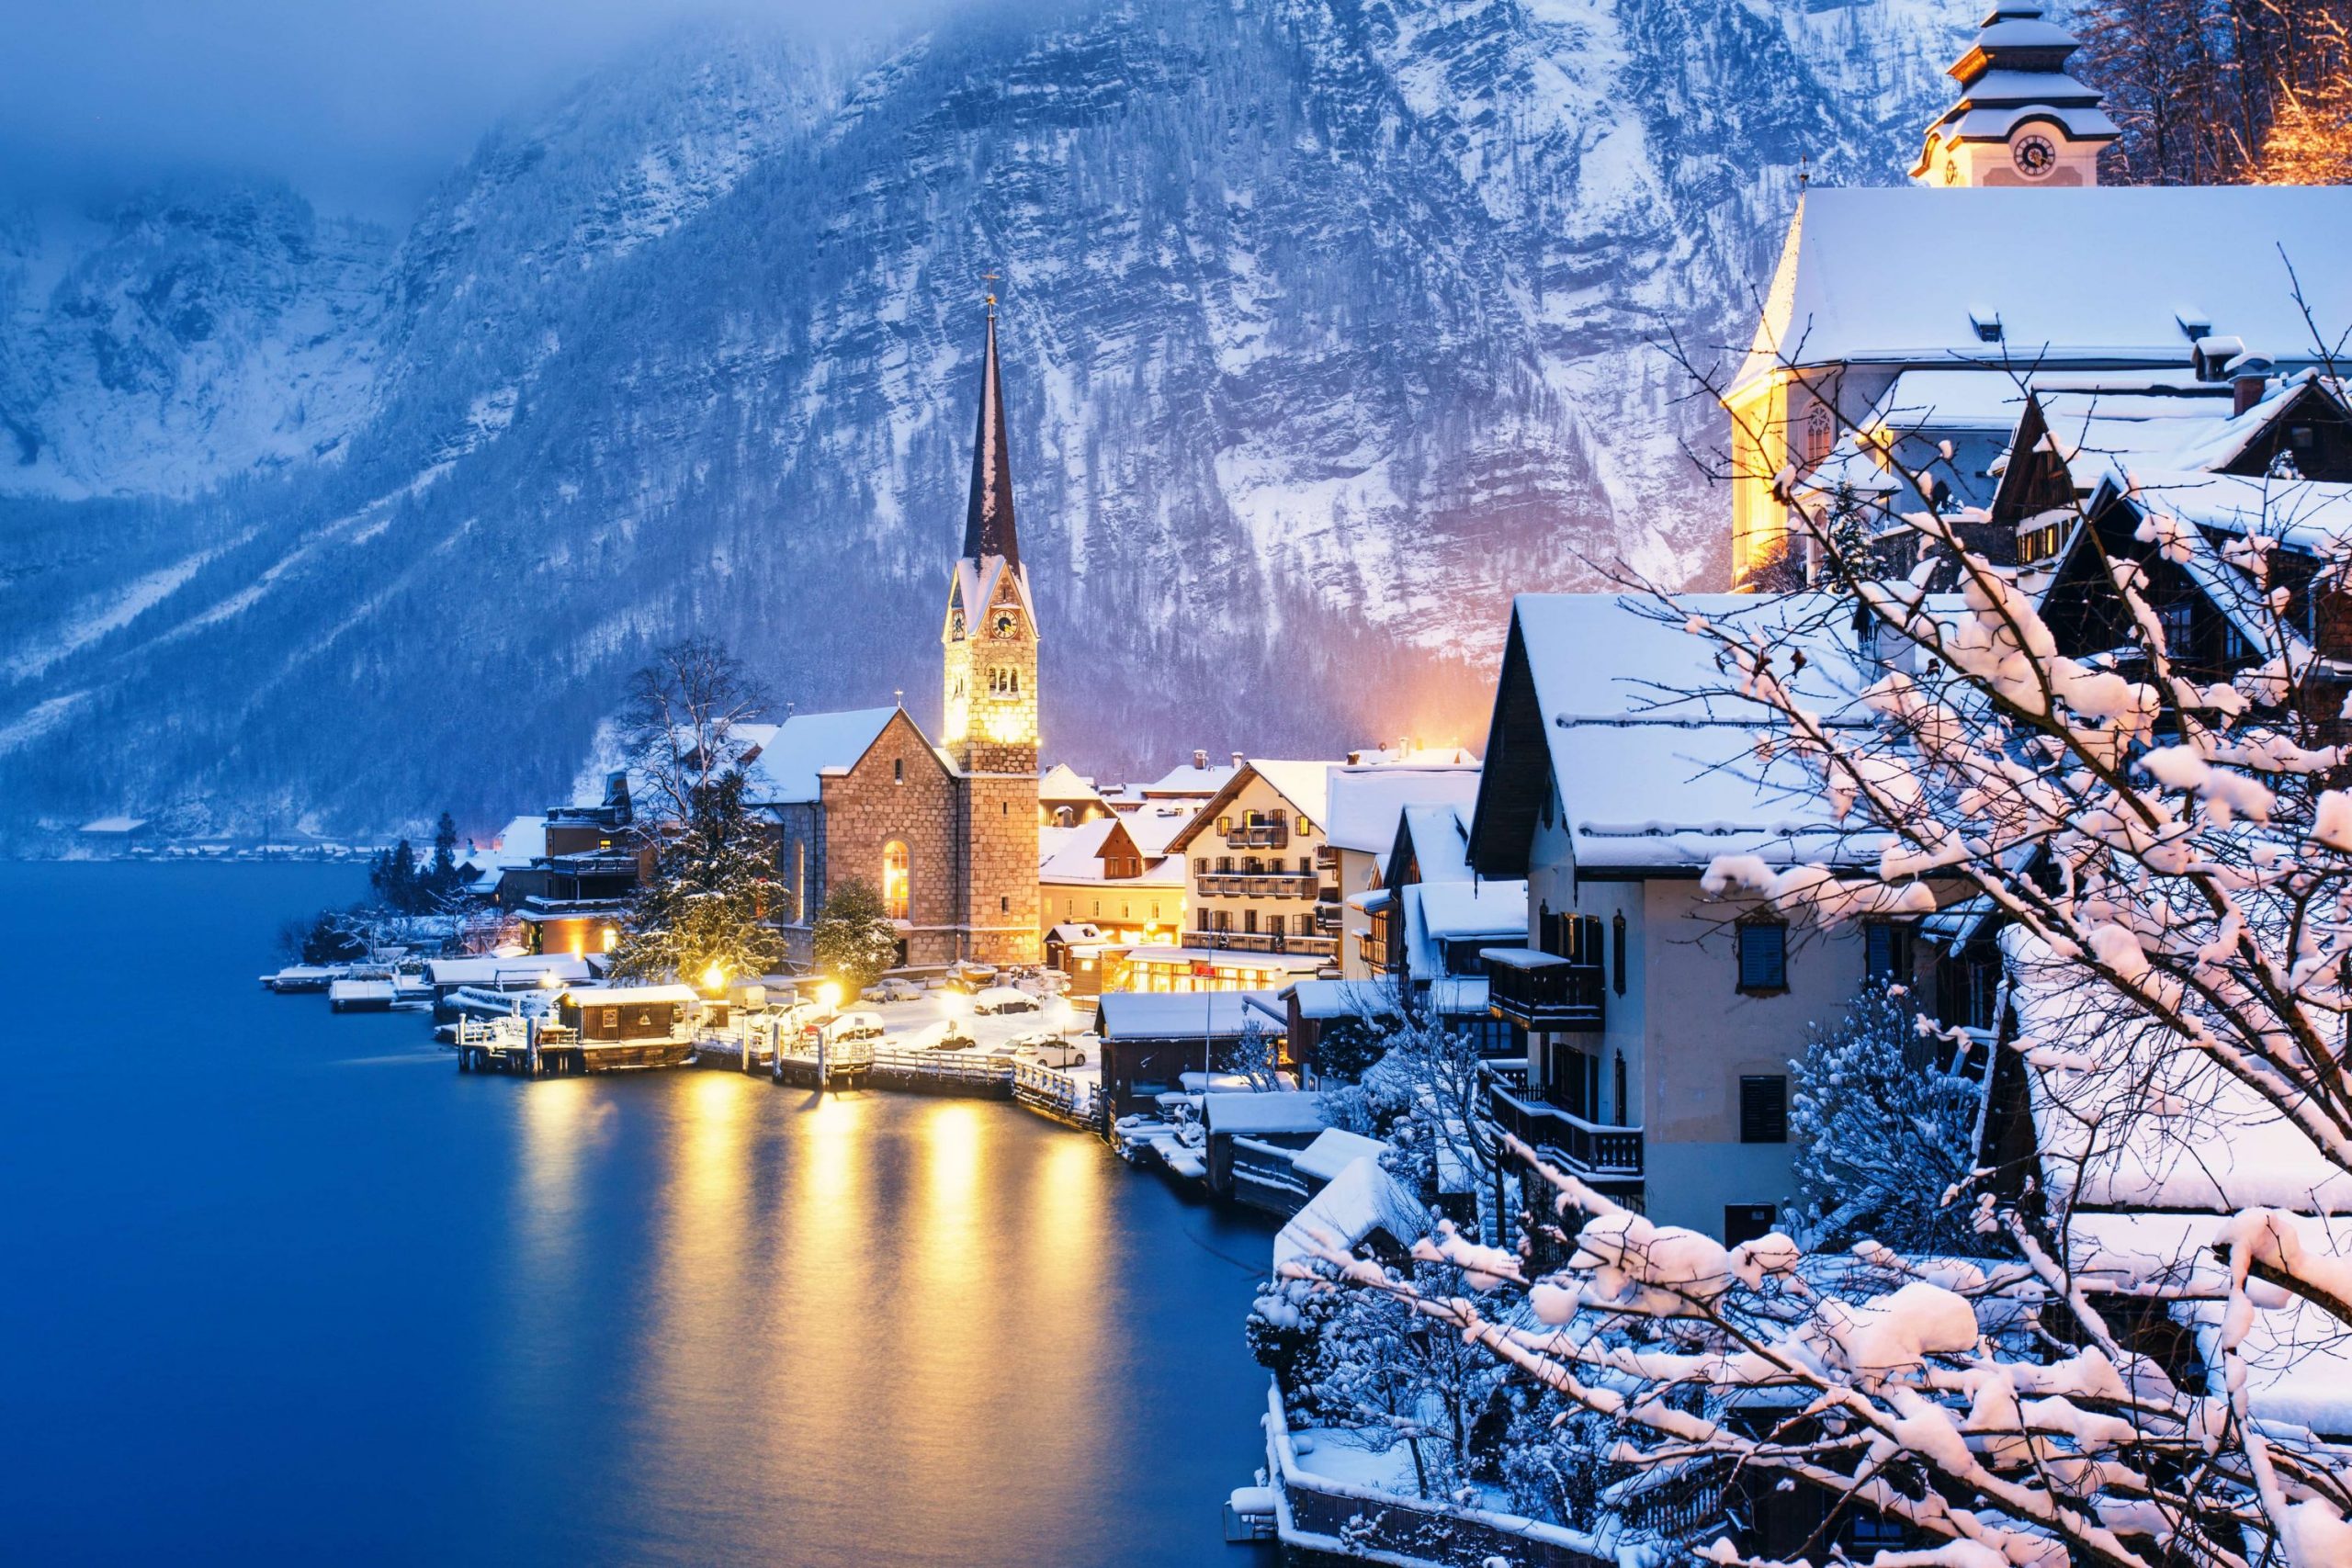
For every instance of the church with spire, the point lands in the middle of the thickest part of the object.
(946, 831)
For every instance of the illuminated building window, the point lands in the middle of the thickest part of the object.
(894, 879)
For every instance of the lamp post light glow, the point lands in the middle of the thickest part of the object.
(829, 998)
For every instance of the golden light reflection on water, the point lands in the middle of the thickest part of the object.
(909, 1291)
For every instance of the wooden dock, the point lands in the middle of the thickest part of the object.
(522, 1048)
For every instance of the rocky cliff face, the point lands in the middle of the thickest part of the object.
(1328, 326)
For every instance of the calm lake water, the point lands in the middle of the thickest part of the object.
(282, 1287)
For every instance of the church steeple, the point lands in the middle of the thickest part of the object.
(2020, 120)
(988, 522)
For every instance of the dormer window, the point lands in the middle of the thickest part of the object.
(1987, 324)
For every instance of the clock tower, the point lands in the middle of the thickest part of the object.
(2021, 120)
(989, 728)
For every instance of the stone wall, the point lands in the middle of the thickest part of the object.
(1001, 827)
(898, 790)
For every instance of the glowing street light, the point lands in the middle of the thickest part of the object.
(714, 979)
(828, 997)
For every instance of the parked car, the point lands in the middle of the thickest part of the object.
(1003, 999)
(892, 990)
(969, 978)
(953, 1040)
(866, 1026)
(1049, 1050)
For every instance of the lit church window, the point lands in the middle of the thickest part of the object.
(894, 879)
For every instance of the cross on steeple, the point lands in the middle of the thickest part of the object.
(991, 279)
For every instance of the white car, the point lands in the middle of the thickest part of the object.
(1003, 999)
(1049, 1050)
(866, 1026)
(892, 991)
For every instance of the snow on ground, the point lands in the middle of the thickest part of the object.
(919, 1025)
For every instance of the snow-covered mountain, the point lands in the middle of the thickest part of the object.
(1327, 324)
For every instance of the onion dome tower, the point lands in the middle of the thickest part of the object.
(2021, 120)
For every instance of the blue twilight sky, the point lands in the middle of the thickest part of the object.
(361, 104)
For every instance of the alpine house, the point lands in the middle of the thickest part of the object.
(1904, 322)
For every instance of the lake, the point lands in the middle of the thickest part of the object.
(286, 1287)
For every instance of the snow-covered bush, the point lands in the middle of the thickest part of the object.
(1882, 1124)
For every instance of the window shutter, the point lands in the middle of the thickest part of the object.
(1764, 1108)
(1880, 939)
(1763, 957)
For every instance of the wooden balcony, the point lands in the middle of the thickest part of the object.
(1263, 836)
(1265, 942)
(1581, 1148)
(1544, 993)
(1326, 918)
(1256, 885)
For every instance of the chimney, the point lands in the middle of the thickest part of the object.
(2249, 378)
(617, 800)
(1201, 760)
(1237, 760)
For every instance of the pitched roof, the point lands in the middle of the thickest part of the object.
(1597, 687)
(988, 520)
(1062, 782)
(1366, 801)
(1306, 785)
(1188, 780)
(2096, 276)
(1441, 837)
(786, 768)
(1075, 854)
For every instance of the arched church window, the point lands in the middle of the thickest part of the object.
(896, 877)
(1818, 433)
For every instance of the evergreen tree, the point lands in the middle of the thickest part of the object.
(443, 877)
(854, 939)
(705, 906)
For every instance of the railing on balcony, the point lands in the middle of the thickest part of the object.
(1326, 858)
(1539, 992)
(1327, 917)
(1256, 885)
(1581, 1147)
(1260, 836)
(1267, 942)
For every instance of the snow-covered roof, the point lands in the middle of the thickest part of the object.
(1362, 1199)
(522, 841)
(1326, 1000)
(1305, 784)
(1653, 777)
(786, 768)
(1178, 1015)
(115, 825)
(1366, 801)
(1333, 1150)
(486, 970)
(2303, 515)
(630, 996)
(1157, 822)
(2094, 275)
(2126, 1116)
(1458, 911)
(1949, 399)
(1281, 1111)
(1229, 958)
(1188, 780)
(1062, 784)
(1458, 995)
(1440, 840)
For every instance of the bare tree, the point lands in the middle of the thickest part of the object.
(681, 727)
(2161, 830)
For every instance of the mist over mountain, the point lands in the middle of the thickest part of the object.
(1327, 326)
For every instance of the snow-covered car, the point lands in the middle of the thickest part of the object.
(891, 990)
(968, 977)
(866, 1026)
(953, 1040)
(1003, 999)
(1049, 1050)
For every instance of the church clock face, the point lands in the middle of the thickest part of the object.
(1006, 623)
(2035, 155)
(1951, 171)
